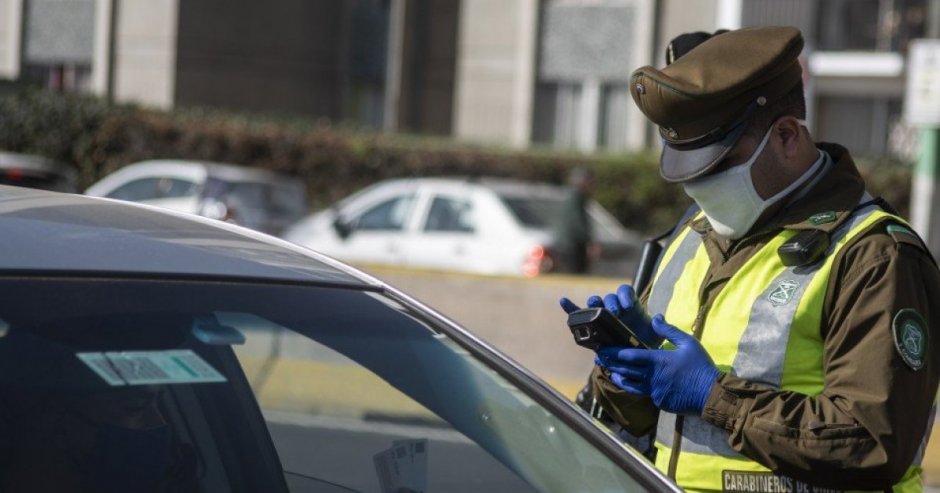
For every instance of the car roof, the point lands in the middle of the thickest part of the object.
(508, 186)
(56, 233)
(231, 172)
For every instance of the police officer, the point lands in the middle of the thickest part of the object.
(796, 338)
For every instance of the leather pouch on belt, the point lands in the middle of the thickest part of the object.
(635, 414)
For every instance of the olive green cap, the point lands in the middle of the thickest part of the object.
(702, 101)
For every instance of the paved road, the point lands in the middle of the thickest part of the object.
(518, 316)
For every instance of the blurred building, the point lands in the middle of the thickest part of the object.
(323, 58)
(584, 50)
(507, 72)
(855, 54)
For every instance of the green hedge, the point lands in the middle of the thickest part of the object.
(99, 138)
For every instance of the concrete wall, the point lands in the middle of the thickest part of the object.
(145, 51)
(496, 71)
(271, 56)
(11, 25)
(682, 16)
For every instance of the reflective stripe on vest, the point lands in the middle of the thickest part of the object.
(776, 341)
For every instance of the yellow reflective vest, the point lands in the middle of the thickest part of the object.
(764, 326)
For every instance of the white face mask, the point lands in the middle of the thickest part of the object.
(729, 199)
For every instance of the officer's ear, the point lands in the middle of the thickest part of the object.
(790, 135)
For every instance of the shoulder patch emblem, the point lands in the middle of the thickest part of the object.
(783, 292)
(895, 229)
(901, 234)
(822, 217)
(910, 337)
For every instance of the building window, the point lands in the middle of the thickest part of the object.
(58, 77)
(612, 127)
(799, 13)
(368, 46)
(557, 114)
(844, 25)
(584, 64)
(585, 116)
(58, 42)
(870, 25)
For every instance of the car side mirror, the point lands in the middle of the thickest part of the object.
(343, 228)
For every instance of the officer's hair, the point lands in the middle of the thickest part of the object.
(793, 103)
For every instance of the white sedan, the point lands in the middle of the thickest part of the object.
(488, 226)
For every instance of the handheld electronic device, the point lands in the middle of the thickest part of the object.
(805, 248)
(596, 327)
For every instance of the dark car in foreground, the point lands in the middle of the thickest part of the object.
(147, 350)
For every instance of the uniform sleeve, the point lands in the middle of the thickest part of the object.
(870, 422)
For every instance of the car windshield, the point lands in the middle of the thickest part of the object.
(358, 393)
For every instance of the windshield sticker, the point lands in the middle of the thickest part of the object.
(151, 367)
(403, 467)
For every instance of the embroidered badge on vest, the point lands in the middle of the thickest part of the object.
(823, 217)
(910, 337)
(783, 292)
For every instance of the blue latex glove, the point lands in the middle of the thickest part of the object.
(678, 380)
(624, 306)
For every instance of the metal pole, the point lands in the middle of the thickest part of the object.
(393, 66)
(924, 198)
(15, 29)
(933, 19)
(102, 65)
(650, 134)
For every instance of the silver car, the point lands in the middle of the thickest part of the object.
(32, 171)
(255, 198)
(148, 350)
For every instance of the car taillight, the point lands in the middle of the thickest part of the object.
(538, 261)
(14, 174)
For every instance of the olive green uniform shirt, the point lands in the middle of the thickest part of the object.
(865, 429)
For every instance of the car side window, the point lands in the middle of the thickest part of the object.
(154, 188)
(250, 195)
(339, 423)
(389, 215)
(450, 215)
